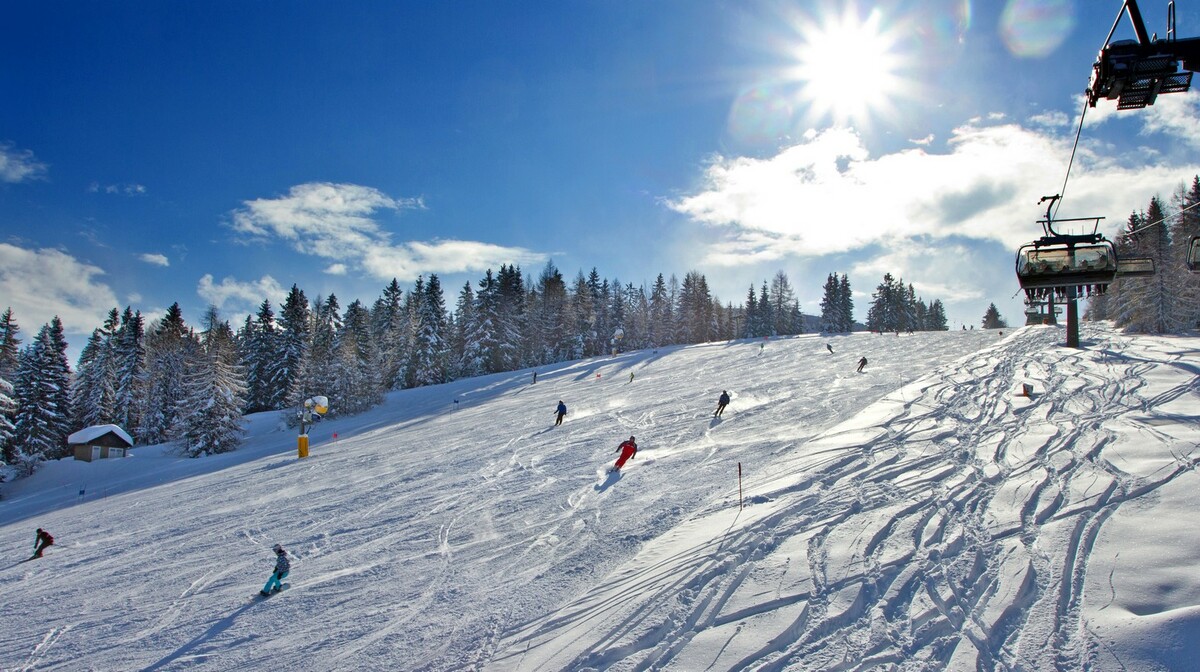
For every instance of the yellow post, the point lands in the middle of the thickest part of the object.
(302, 445)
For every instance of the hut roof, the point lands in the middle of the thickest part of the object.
(101, 435)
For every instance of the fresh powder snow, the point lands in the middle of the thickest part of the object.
(919, 515)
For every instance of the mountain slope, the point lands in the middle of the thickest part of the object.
(917, 514)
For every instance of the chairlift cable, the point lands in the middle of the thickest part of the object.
(1071, 162)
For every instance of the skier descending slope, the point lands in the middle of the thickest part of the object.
(42, 540)
(282, 567)
(628, 450)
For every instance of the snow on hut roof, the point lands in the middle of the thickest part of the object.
(89, 434)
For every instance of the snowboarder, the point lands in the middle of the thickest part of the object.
(41, 541)
(628, 450)
(830, 348)
(862, 363)
(722, 402)
(282, 567)
(561, 411)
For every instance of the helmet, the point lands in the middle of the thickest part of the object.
(631, 438)
(278, 548)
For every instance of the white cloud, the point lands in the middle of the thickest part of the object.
(155, 259)
(39, 284)
(1050, 119)
(923, 142)
(336, 222)
(119, 189)
(827, 195)
(18, 165)
(240, 294)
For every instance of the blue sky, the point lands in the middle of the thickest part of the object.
(217, 153)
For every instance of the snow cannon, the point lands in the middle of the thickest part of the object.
(318, 405)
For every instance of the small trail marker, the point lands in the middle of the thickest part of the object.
(739, 486)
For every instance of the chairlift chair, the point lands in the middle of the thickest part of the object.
(1193, 255)
(1134, 72)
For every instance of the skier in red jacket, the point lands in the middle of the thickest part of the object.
(628, 450)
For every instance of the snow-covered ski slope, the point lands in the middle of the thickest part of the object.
(915, 516)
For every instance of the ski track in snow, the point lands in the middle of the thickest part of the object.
(916, 516)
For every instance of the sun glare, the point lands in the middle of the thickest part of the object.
(846, 67)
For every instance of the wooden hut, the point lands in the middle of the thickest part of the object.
(100, 442)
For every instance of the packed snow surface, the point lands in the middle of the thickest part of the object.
(917, 516)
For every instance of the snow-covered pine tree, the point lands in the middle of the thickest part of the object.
(831, 319)
(129, 348)
(10, 345)
(318, 375)
(695, 309)
(782, 299)
(43, 417)
(1148, 302)
(1185, 286)
(637, 318)
(596, 342)
(751, 327)
(389, 326)
(549, 317)
(10, 350)
(295, 323)
(169, 346)
(263, 361)
(94, 390)
(357, 382)
(583, 319)
(464, 319)
(430, 347)
(661, 314)
(936, 318)
(908, 309)
(483, 333)
(845, 305)
(1122, 294)
(881, 316)
(510, 317)
(209, 417)
(992, 318)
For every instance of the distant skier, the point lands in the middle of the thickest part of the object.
(722, 402)
(628, 450)
(630, 377)
(534, 378)
(829, 347)
(282, 567)
(862, 363)
(561, 411)
(41, 542)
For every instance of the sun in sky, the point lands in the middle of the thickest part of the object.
(847, 66)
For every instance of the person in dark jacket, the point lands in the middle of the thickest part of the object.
(628, 450)
(561, 411)
(41, 542)
(722, 402)
(830, 347)
(282, 567)
(862, 363)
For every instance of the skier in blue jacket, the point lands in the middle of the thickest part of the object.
(561, 411)
(282, 567)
